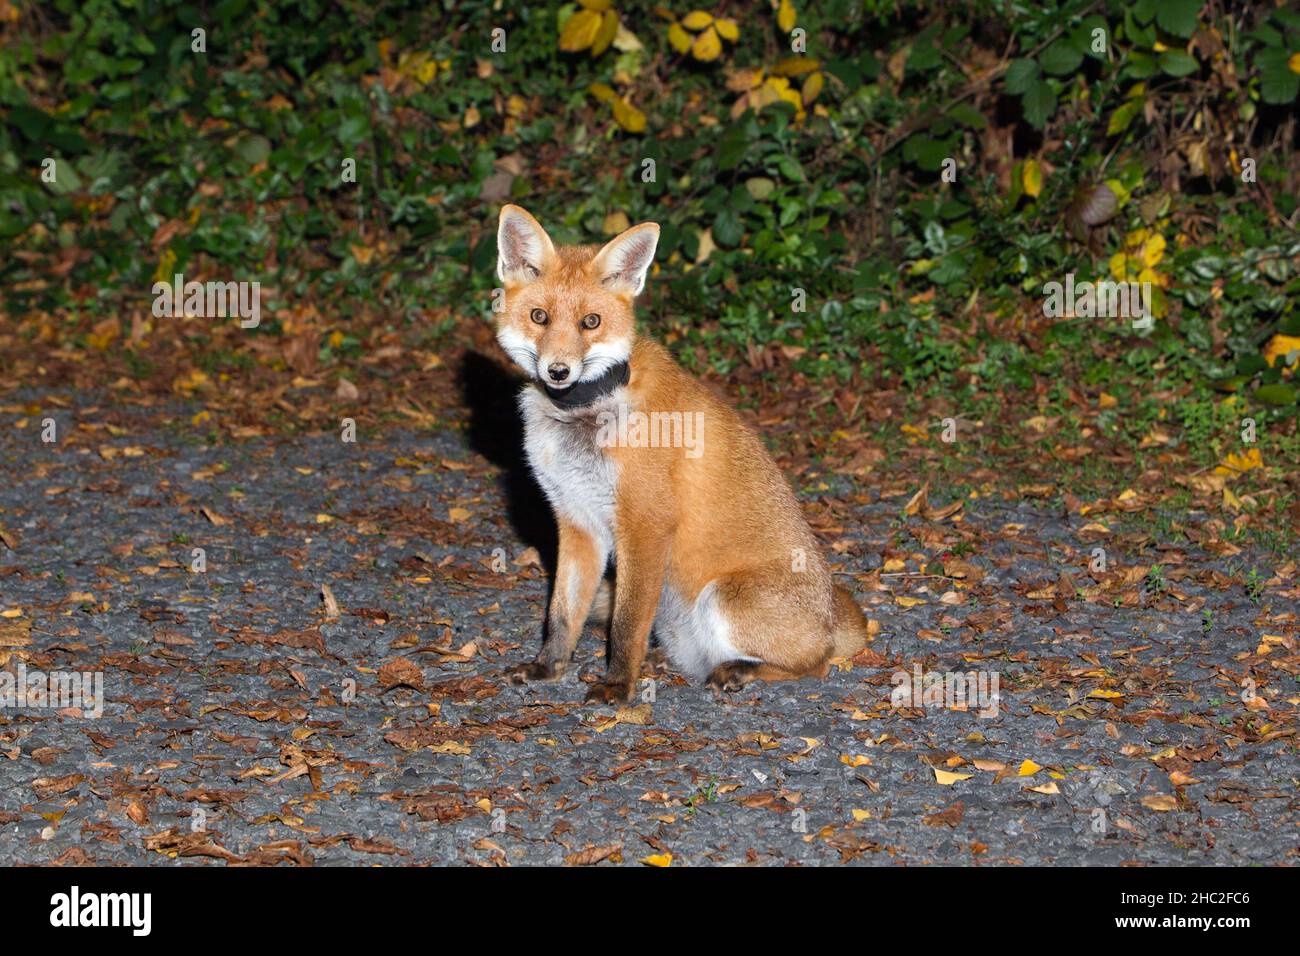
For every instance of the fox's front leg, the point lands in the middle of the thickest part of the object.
(578, 572)
(641, 560)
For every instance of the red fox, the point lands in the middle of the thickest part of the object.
(708, 543)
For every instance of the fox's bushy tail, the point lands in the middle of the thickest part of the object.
(849, 628)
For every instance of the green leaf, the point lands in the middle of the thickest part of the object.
(1020, 76)
(1178, 16)
(1040, 104)
(1277, 394)
(1061, 57)
(1178, 63)
(1123, 116)
(253, 149)
(728, 231)
(1277, 83)
(967, 115)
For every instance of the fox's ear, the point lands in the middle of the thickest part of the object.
(524, 250)
(624, 261)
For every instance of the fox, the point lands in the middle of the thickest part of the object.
(709, 547)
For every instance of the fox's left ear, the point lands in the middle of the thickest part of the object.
(624, 261)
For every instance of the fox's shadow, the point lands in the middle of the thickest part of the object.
(490, 391)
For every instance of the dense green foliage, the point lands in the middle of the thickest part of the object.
(1104, 139)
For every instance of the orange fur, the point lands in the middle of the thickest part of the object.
(713, 549)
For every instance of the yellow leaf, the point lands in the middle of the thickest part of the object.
(860, 815)
(457, 515)
(1294, 62)
(598, 6)
(1153, 250)
(728, 30)
(580, 31)
(1238, 462)
(425, 72)
(1028, 769)
(812, 87)
(796, 66)
(658, 859)
(1031, 177)
(602, 92)
(785, 16)
(605, 35)
(857, 760)
(1285, 347)
(1100, 694)
(904, 601)
(947, 778)
(1231, 501)
(697, 20)
(628, 116)
(707, 46)
(1119, 266)
(678, 38)
(164, 271)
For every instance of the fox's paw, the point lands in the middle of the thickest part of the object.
(611, 692)
(733, 675)
(538, 670)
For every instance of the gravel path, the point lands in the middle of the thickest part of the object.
(1140, 715)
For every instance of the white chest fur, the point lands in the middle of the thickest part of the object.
(577, 476)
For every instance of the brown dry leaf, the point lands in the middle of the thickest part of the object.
(16, 632)
(938, 514)
(641, 714)
(212, 516)
(919, 502)
(331, 605)
(950, 817)
(528, 558)
(137, 811)
(401, 672)
(594, 854)
(1161, 802)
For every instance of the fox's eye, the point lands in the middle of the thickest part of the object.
(590, 321)
(540, 316)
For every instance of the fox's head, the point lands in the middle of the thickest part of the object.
(568, 315)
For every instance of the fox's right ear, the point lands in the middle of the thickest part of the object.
(524, 250)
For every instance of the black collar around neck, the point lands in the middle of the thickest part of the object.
(580, 394)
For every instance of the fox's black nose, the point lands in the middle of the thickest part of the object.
(558, 372)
